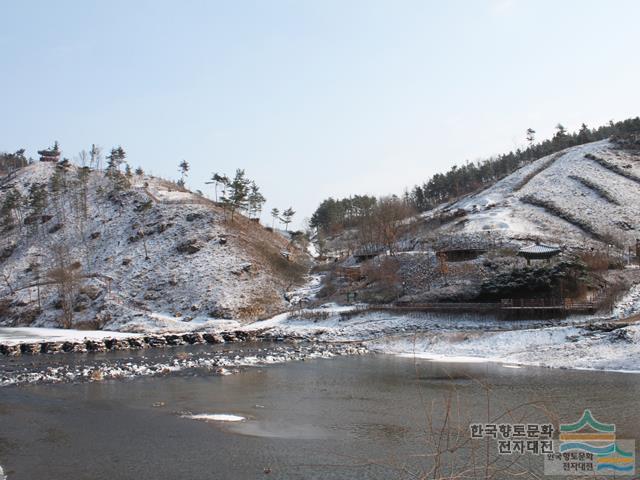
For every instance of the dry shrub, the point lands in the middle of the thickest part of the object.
(596, 261)
(314, 315)
(612, 295)
(384, 271)
(88, 325)
(329, 287)
(5, 309)
(323, 267)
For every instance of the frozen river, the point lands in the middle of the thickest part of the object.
(372, 416)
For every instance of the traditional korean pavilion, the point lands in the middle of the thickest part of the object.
(538, 252)
(50, 155)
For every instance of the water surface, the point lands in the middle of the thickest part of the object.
(345, 417)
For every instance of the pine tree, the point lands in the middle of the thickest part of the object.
(183, 168)
(584, 134)
(275, 214)
(256, 200)
(83, 182)
(10, 209)
(287, 216)
(115, 159)
(217, 179)
(37, 202)
(37, 199)
(531, 136)
(237, 197)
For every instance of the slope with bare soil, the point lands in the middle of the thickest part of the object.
(148, 254)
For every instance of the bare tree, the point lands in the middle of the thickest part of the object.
(95, 157)
(384, 224)
(67, 275)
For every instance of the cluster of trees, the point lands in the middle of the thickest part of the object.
(378, 221)
(238, 194)
(286, 217)
(384, 223)
(334, 215)
(10, 162)
(60, 204)
(461, 180)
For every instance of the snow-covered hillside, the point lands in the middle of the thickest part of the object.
(589, 193)
(199, 267)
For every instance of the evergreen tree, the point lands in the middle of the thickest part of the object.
(256, 200)
(115, 159)
(584, 134)
(37, 202)
(83, 183)
(531, 136)
(237, 196)
(287, 216)
(10, 208)
(183, 168)
(217, 179)
(275, 214)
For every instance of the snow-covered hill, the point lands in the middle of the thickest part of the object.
(581, 196)
(199, 267)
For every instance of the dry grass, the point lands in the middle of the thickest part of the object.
(596, 261)
(611, 295)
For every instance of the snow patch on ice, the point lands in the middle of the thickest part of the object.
(216, 417)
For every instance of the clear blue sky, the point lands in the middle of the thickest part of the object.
(312, 98)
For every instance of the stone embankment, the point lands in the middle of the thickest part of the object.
(137, 342)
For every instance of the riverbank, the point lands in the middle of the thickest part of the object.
(581, 342)
(206, 359)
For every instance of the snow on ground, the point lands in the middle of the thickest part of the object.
(166, 323)
(501, 208)
(216, 417)
(225, 271)
(336, 323)
(629, 304)
(466, 337)
(558, 347)
(13, 336)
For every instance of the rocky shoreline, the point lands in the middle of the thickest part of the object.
(127, 358)
(140, 341)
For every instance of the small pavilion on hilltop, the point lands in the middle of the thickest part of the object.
(538, 252)
(50, 155)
